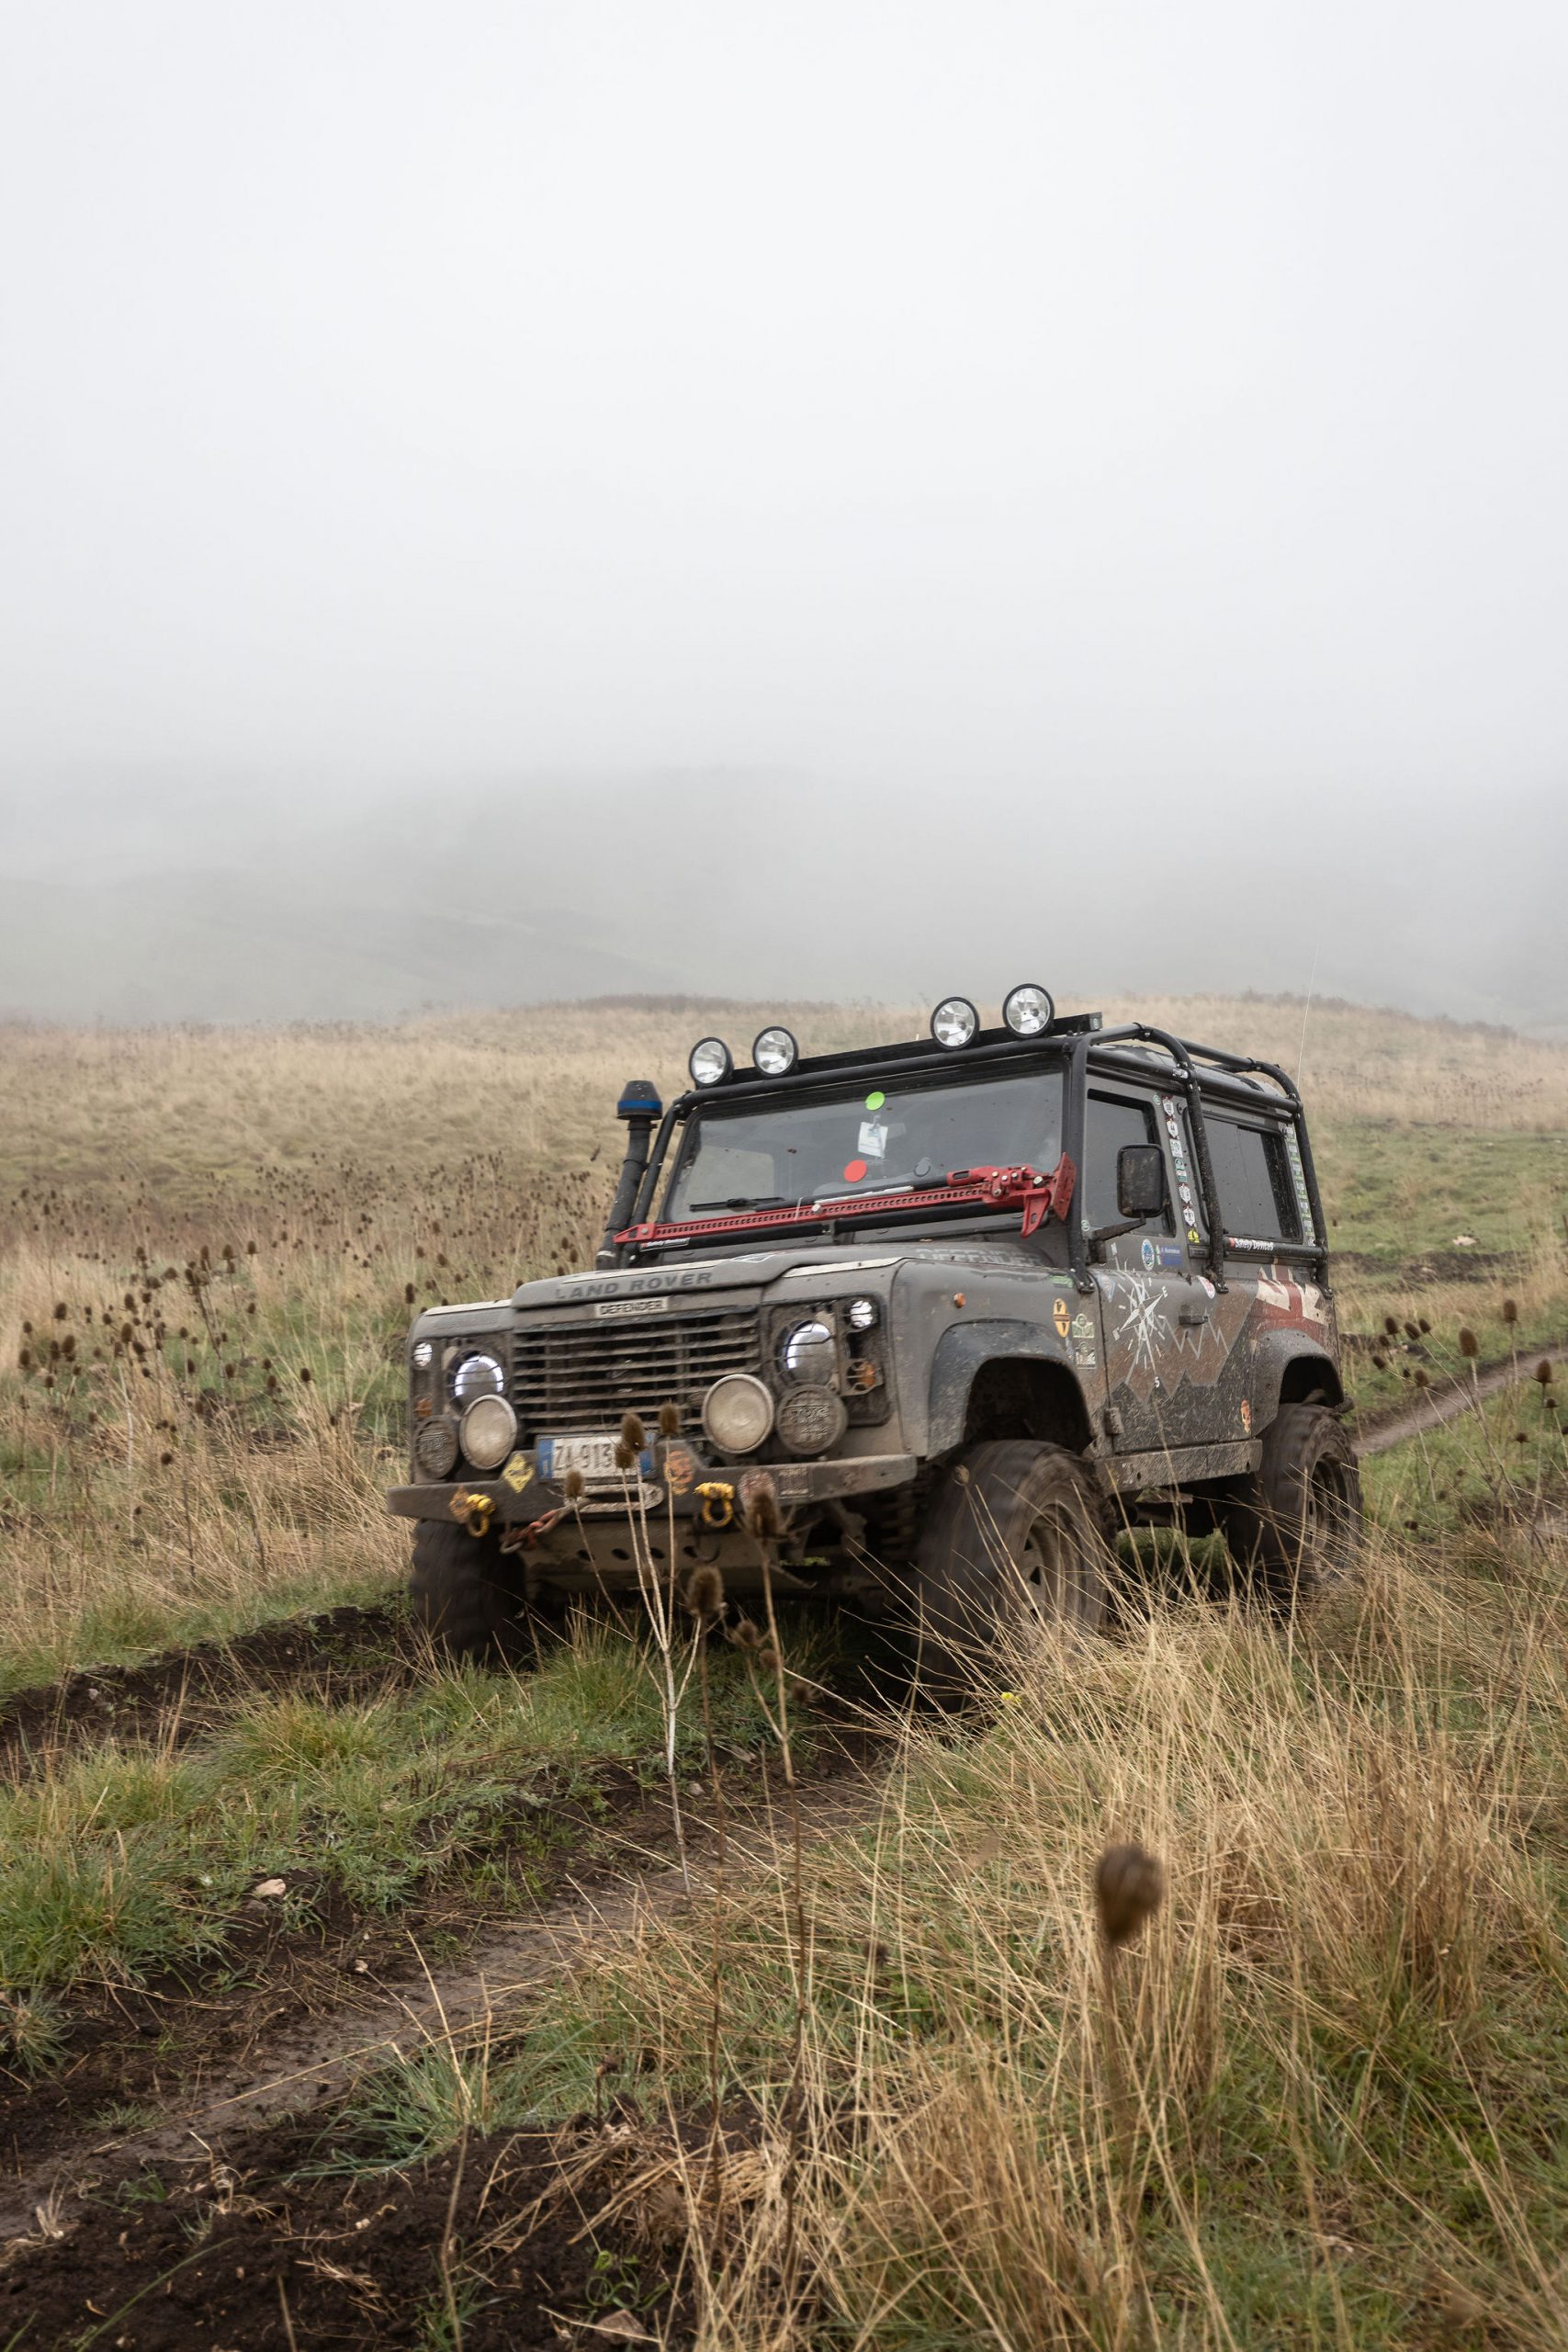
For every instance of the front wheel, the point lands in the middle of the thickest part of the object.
(1018, 1531)
(1296, 1525)
(465, 1592)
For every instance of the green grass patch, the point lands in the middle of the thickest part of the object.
(128, 1860)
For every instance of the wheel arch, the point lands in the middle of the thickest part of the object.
(997, 1379)
(1292, 1371)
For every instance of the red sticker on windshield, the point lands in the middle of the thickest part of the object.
(854, 1171)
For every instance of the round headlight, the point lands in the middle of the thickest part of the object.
(436, 1448)
(488, 1432)
(737, 1412)
(809, 1352)
(954, 1021)
(1029, 1010)
(774, 1052)
(478, 1375)
(709, 1061)
(423, 1352)
(811, 1420)
(862, 1315)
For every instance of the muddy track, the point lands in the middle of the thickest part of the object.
(1446, 1402)
(186, 1694)
(310, 2059)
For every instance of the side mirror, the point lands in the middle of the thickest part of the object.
(1140, 1180)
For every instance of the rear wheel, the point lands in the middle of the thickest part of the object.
(1295, 1527)
(465, 1592)
(1017, 1531)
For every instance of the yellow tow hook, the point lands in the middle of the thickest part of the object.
(472, 1512)
(719, 1502)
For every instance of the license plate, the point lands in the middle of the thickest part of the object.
(592, 1457)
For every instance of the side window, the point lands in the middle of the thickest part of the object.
(1252, 1176)
(1113, 1120)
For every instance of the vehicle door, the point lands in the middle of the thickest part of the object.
(1143, 1276)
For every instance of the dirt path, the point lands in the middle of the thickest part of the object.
(321, 2056)
(1447, 1402)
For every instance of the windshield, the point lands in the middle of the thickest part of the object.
(872, 1139)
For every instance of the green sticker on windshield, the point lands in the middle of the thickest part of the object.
(874, 1102)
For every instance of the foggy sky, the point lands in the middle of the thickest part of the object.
(1030, 426)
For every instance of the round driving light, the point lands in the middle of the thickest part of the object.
(423, 1352)
(862, 1315)
(1028, 1010)
(812, 1419)
(809, 1352)
(478, 1375)
(737, 1412)
(774, 1052)
(709, 1062)
(954, 1021)
(488, 1432)
(436, 1448)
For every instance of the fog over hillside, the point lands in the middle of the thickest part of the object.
(577, 497)
(130, 904)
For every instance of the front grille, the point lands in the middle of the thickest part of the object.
(585, 1376)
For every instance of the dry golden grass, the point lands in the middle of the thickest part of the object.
(355, 1173)
(1304, 2108)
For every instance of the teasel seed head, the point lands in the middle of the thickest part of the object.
(762, 1521)
(1129, 1886)
(1543, 1371)
(1411, 1331)
(572, 1486)
(1423, 1326)
(1469, 1345)
(625, 1458)
(1421, 1379)
(668, 1421)
(704, 1595)
(1390, 1325)
(1510, 1311)
(634, 1437)
(769, 1659)
(745, 1635)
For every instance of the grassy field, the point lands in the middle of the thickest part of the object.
(1313, 2103)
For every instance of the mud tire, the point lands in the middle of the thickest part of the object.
(1017, 1528)
(465, 1593)
(1295, 1526)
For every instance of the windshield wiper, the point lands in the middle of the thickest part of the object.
(744, 1201)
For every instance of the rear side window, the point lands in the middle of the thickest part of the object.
(1113, 1120)
(1252, 1177)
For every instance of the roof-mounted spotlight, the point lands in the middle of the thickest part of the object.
(1028, 1010)
(955, 1022)
(709, 1061)
(774, 1052)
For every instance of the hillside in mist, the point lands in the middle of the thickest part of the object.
(127, 900)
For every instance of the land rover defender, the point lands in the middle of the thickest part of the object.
(934, 1319)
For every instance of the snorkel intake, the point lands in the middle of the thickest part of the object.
(641, 1109)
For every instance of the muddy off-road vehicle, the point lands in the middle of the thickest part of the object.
(936, 1318)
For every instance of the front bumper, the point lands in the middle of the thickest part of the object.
(516, 1499)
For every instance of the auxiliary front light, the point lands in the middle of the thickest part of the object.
(488, 1431)
(862, 1315)
(737, 1412)
(423, 1352)
(1029, 1010)
(710, 1061)
(774, 1052)
(954, 1021)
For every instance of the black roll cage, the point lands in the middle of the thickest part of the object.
(1200, 1074)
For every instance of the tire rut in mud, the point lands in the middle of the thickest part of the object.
(296, 2061)
(185, 1694)
(1456, 1395)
